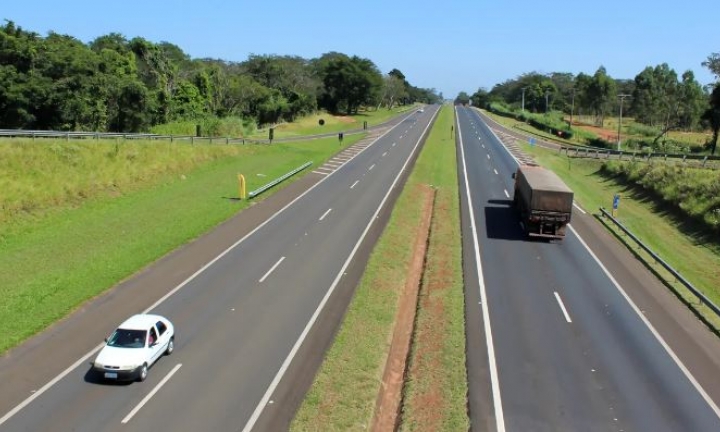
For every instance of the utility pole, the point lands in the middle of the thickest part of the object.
(546, 100)
(622, 99)
(523, 99)
(572, 108)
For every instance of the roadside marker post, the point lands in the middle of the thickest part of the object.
(241, 186)
(616, 204)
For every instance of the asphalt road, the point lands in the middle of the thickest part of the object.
(246, 321)
(571, 335)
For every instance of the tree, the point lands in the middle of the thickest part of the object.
(601, 93)
(462, 98)
(394, 90)
(712, 116)
(350, 83)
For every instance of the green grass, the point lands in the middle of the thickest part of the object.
(688, 251)
(310, 125)
(346, 387)
(53, 260)
(435, 396)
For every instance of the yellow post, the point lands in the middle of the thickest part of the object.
(241, 181)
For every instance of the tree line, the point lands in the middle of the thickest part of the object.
(657, 97)
(114, 84)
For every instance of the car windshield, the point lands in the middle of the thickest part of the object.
(127, 338)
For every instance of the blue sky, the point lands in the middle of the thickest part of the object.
(450, 45)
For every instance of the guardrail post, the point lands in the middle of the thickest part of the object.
(704, 160)
(67, 137)
(33, 136)
(683, 161)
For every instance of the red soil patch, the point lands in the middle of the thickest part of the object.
(429, 404)
(605, 134)
(387, 406)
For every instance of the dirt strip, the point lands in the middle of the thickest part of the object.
(388, 404)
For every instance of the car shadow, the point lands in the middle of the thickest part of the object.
(94, 377)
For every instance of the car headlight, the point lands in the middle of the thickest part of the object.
(130, 367)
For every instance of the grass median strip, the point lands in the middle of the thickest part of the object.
(56, 258)
(346, 387)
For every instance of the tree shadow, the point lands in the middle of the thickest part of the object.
(695, 229)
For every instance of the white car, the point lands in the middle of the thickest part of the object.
(136, 344)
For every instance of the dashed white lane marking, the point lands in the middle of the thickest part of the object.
(151, 394)
(371, 167)
(325, 214)
(293, 352)
(353, 185)
(384, 154)
(579, 209)
(483, 145)
(272, 269)
(495, 171)
(562, 306)
(506, 193)
(488, 156)
(393, 145)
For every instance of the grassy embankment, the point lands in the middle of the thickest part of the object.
(310, 125)
(344, 393)
(78, 217)
(684, 248)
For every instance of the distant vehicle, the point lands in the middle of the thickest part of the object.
(136, 344)
(421, 110)
(545, 202)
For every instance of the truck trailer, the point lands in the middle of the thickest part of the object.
(544, 201)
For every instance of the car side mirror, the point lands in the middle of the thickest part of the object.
(153, 344)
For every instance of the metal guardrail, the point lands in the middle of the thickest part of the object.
(665, 265)
(635, 155)
(262, 189)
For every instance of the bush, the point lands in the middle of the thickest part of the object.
(234, 127)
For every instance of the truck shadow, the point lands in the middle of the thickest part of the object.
(502, 221)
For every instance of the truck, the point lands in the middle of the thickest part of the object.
(544, 201)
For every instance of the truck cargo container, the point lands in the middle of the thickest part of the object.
(544, 201)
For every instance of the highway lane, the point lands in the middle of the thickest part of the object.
(240, 321)
(570, 352)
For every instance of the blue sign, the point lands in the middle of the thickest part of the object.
(616, 201)
(532, 142)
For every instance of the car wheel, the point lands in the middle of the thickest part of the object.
(143, 372)
(170, 347)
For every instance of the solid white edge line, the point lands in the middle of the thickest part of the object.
(286, 364)
(579, 209)
(272, 269)
(652, 329)
(494, 382)
(325, 214)
(151, 394)
(64, 373)
(354, 184)
(562, 306)
(506, 193)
